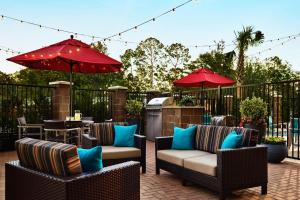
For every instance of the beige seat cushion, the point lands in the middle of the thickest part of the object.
(111, 152)
(205, 164)
(176, 156)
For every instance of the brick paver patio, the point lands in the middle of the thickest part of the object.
(284, 182)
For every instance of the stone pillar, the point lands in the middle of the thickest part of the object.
(61, 99)
(118, 101)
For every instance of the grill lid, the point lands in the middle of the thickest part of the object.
(160, 101)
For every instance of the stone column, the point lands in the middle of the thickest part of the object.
(118, 101)
(61, 99)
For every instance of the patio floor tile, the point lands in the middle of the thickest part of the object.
(284, 183)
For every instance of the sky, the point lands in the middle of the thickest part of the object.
(197, 23)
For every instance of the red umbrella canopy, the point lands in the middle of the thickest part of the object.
(60, 56)
(203, 78)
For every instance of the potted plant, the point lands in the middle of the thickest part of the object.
(253, 112)
(277, 149)
(187, 101)
(133, 113)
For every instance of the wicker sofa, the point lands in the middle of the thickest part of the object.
(56, 173)
(219, 170)
(103, 134)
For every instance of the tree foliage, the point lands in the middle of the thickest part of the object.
(245, 39)
(272, 69)
(216, 60)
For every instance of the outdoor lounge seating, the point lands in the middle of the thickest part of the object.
(26, 130)
(34, 179)
(103, 134)
(219, 170)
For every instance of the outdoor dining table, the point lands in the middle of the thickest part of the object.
(68, 126)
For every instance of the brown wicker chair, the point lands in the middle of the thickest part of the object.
(117, 182)
(88, 141)
(235, 169)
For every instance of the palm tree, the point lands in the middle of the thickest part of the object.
(245, 39)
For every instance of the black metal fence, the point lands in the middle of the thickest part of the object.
(282, 98)
(33, 102)
(93, 103)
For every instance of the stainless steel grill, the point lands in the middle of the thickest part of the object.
(154, 116)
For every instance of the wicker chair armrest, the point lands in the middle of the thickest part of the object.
(162, 143)
(140, 141)
(121, 181)
(39, 126)
(245, 166)
(88, 141)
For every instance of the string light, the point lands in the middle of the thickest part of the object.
(150, 20)
(9, 50)
(288, 39)
(93, 37)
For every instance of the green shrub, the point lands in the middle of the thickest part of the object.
(133, 107)
(274, 140)
(254, 108)
(187, 101)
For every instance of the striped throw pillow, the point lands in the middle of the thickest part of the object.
(210, 138)
(104, 132)
(49, 157)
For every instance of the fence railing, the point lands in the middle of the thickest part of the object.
(33, 102)
(93, 103)
(282, 98)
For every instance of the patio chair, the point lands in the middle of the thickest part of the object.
(87, 126)
(223, 120)
(56, 173)
(294, 132)
(63, 132)
(26, 130)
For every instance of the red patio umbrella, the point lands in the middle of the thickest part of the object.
(69, 56)
(203, 77)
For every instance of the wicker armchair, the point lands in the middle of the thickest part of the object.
(117, 182)
(89, 141)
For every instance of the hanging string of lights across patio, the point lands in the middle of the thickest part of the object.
(8, 50)
(282, 41)
(286, 40)
(93, 37)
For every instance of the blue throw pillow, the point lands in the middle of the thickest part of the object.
(90, 159)
(124, 135)
(232, 141)
(184, 139)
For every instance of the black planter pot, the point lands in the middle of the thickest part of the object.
(261, 127)
(135, 121)
(276, 152)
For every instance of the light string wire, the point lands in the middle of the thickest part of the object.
(149, 20)
(93, 37)
(9, 50)
(286, 39)
(125, 42)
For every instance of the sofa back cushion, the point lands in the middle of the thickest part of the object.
(210, 138)
(49, 157)
(104, 132)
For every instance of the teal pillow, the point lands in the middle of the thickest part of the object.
(90, 159)
(232, 141)
(124, 135)
(184, 139)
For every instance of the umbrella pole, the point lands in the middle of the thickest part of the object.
(71, 89)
